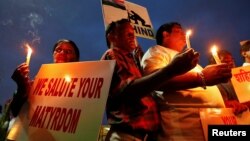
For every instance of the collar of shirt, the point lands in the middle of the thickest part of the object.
(122, 51)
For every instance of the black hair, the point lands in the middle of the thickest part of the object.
(72, 43)
(245, 46)
(165, 27)
(112, 26)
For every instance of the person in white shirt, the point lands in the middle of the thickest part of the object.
(180, 109)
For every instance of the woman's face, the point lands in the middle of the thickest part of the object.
(64, 52)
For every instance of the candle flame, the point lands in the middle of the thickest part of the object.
(189, 32)
(215, 55)
(28, 54)
(29, 49)
(214, 49)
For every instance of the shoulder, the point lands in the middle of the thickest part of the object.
(161, 49)
(108, 55)
(158, 51)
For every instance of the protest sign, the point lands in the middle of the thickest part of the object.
(66, 102)
(222, 116)
(136, 14)
(241, 83)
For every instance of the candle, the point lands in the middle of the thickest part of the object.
(188, 33)
(28, 54)
(215, 55)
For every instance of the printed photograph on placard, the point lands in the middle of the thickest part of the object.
(136, 14)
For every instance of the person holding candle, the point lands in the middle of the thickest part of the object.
(227, 89)
(63, 51)
(131, 109)
(245, 52)
(186, 94)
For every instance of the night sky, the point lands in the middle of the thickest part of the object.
(42, 22)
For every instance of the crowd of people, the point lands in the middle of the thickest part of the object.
(156, 95)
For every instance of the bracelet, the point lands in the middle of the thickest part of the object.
(203, 80)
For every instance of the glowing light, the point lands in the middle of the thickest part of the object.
(29, 52)
(214, 110)
(188, 33)
(67, 78)
(215, 55)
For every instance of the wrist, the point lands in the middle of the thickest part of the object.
(202, 79)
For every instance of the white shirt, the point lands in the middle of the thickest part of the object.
(158, 57)
(180, 110)
(246, 64)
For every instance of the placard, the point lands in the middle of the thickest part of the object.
(241, 83)
(222, 116)
(114, 10)
(66, 102)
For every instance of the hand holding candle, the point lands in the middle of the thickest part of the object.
(188, 33)
(215, 55)
(28, 54)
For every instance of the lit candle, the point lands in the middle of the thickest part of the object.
(28, 54)
(215, 55)
(188, 33)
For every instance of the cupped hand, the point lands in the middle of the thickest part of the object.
(21, 76)
(185, 61)
(217, 73)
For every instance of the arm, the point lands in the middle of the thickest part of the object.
(20, 76)
(213, 74)
(184, 61)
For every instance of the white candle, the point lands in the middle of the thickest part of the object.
(188, 33)
(215, 55)
(28, 54)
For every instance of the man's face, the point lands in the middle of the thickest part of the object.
(125, 38)
(177, 39)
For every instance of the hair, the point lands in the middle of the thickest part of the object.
(71, 43)
(165, 27)
(111, 28)
(220, 53)
(245, 46)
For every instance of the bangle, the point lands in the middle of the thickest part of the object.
(203, 80)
